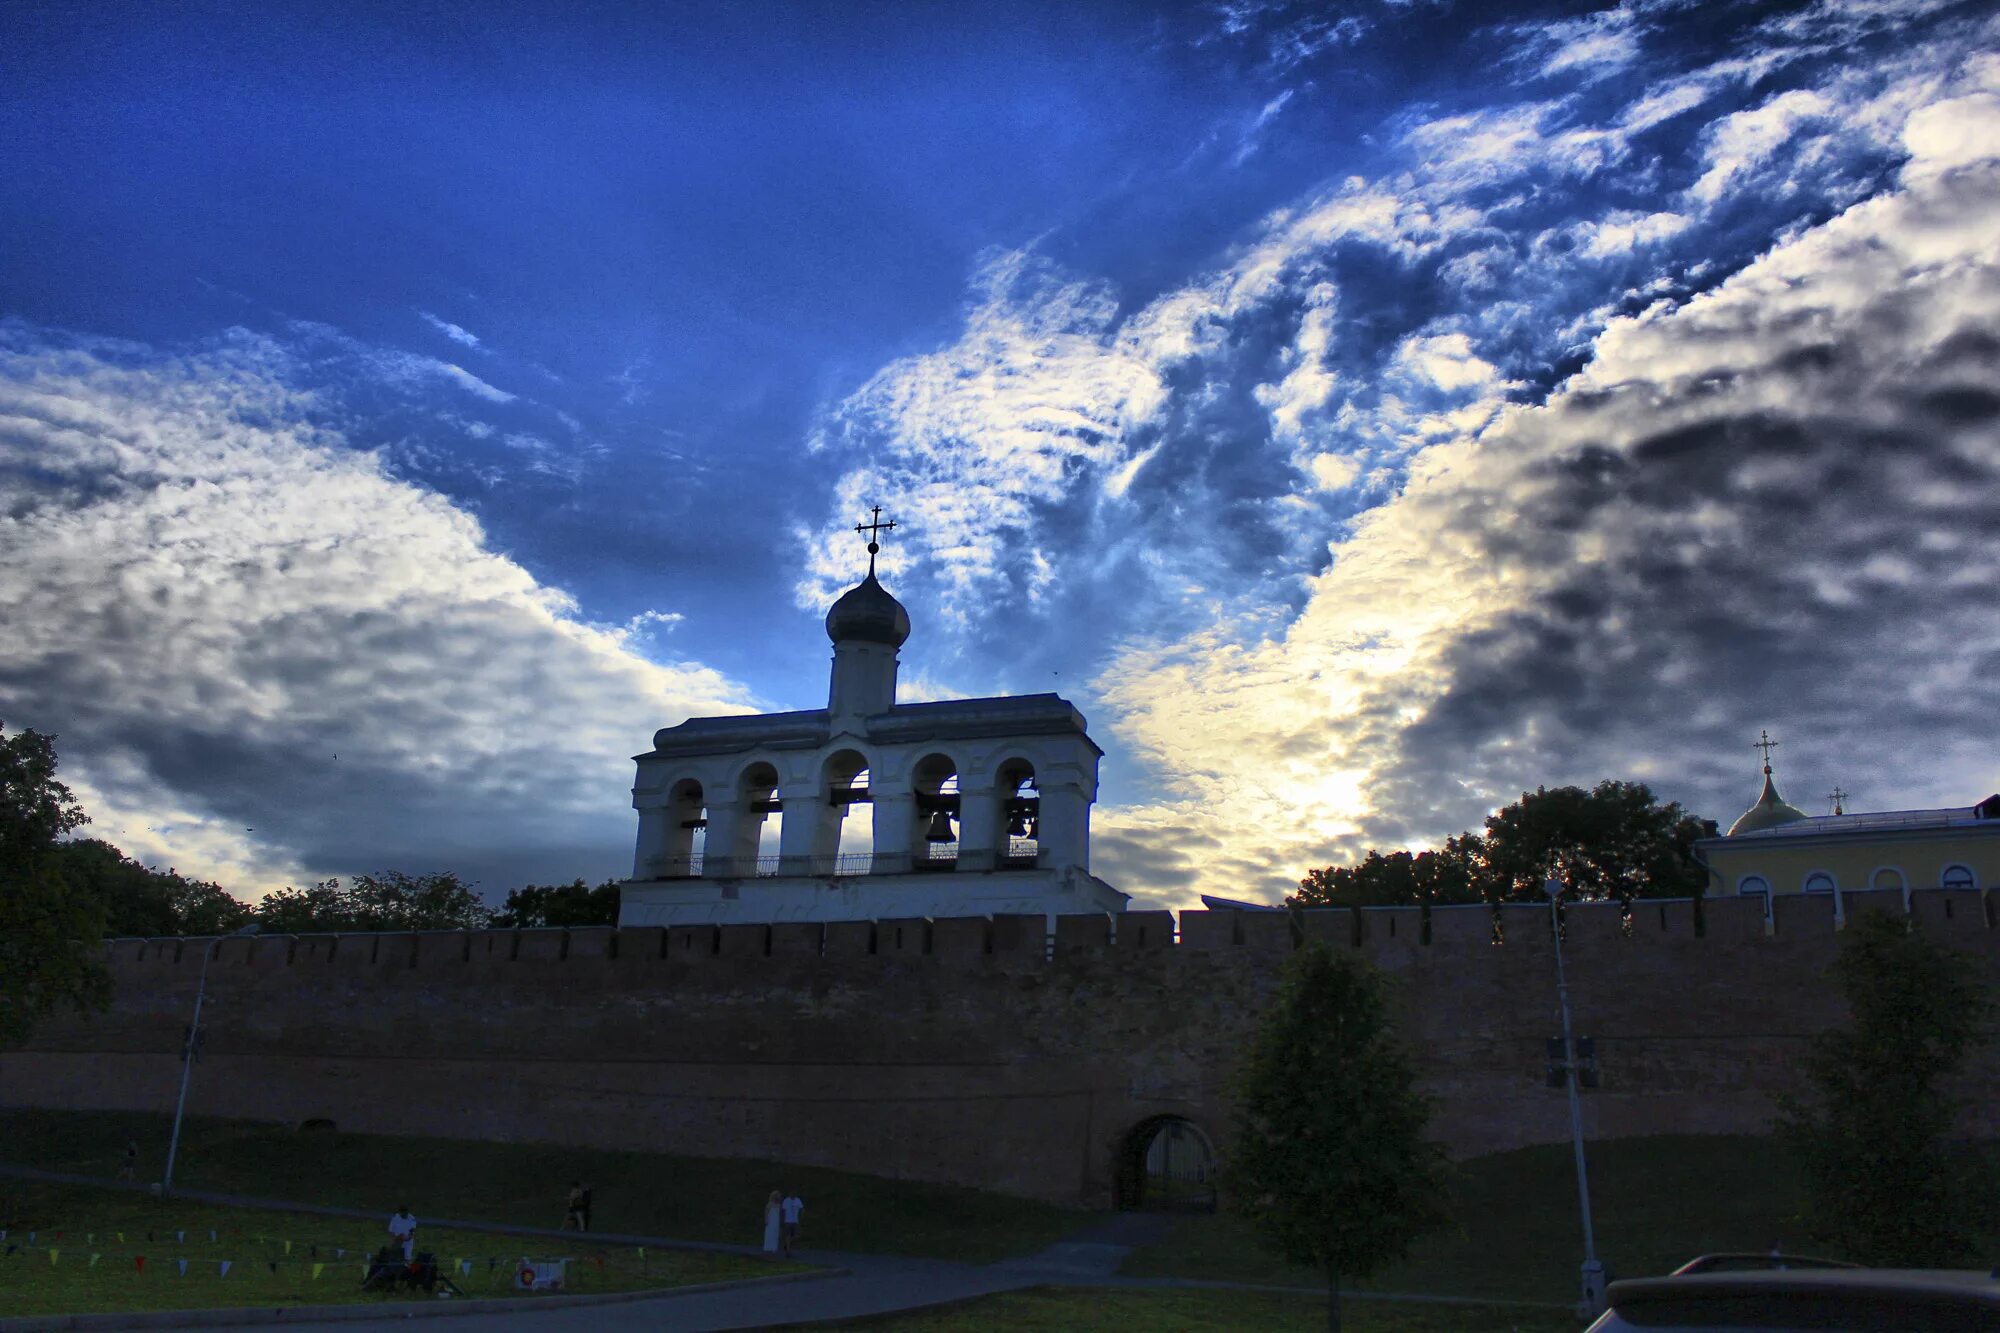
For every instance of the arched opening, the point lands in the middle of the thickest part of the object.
(934, 836)
(1021, 811)
(687, 831)
(1957, 877)
(1887, 877)
(851, 848)
(1166, 1164)
(1819, 882)
(1756, 884)
(756, 849)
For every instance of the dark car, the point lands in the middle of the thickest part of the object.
(1795, 1299)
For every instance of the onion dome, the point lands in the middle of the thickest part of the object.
(867, 613)
(1769, 812)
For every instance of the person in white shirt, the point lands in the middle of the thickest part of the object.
(791, 1209)
(403, 1231)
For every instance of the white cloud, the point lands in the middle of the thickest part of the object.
(450, 330)
(210, 597)
(1740, 143)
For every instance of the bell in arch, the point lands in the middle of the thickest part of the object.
(940, 829)
(1017, 825)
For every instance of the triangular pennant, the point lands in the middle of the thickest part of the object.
(149, 1235)
(340, 1252)
(317, 1270)
(273, 1263)
(120, 1235)
(314, 1250)
(90, 1238)
(211, 1235)
(180, 1237)
(182, 1265)
(11, 1249)
(139, 1262)
(94, 1258)
(288, 1247)
(54, 1255)
(222, 1268)
(31, 1238)
(58, 1235)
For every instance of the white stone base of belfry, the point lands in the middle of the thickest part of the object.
(685, 902)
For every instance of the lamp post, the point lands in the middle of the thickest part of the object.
(187, 1051)
(1593, 1271)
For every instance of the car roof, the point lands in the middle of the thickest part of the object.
(1959, 1289)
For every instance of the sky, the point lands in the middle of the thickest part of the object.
(1362, 412)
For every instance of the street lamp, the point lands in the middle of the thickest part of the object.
(1593, 1271)
(187, 1052)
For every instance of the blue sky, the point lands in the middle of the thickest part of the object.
(1362, 412)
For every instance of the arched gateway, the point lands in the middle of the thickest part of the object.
(1166, 1164)
(867, 808)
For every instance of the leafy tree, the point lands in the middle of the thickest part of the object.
(141, 901)
(1331, 1164)
(388, 901)
(572, 904)
(1871, 1130)
(48, 928)
(1613, 841)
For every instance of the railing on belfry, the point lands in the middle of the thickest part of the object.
(761, 867)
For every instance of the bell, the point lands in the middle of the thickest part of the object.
(1017, 824)
(940, 829)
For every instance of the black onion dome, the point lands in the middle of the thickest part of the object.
(868, 613)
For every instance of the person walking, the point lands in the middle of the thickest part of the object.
(130, 1171)
(403, 1231)
(773, 1211)
(790, 1211)
(575, 1212)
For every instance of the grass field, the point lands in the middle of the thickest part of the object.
(74, 1249)
(688, 1198)
(1046, 1310)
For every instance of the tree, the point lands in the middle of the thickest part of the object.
(142, 901)
(49, 929)
(391, 900)
(572, 904)
(1331, 1164)
(1871, 1130)
(1613, 841)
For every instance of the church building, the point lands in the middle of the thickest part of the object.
(1776, 848)
(868, 809)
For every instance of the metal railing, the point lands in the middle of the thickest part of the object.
(1019, 853)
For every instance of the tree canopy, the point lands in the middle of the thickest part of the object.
(146, 902)
(390, 900)
(1872, 1124)
(1614, 840)
(572, 904)
(48, 929)
(1331, 1164)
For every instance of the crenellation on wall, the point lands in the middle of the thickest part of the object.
(1854, 903)
(691, 943)
(1265, 932)
(1734, 920)
(961, 937)
(850, 939)
(903, 936)
(1020, 937)
(1143, 930)
(593, 943)
(1208, 930)
(1796, 915)
(744, 941)
(1462, 926)
(1082, 933)
(1952, 916)
(1598, 925)
(794, 939)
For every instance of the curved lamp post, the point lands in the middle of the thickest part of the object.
(1593, 1271)
(187, 1052)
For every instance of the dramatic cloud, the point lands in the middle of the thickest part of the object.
(266, 658)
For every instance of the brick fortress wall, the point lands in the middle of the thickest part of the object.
(961, 1050)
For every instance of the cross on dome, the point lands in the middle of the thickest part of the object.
(875, 527)
(1766, 744)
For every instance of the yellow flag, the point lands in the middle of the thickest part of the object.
(53, 1254)
(120, 1235)
(288, 1247)
(317, 1268)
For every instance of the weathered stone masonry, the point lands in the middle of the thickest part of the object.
(958, 1050)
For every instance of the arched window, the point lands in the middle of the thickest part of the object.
(1958, 877)
(758, 835)
(934, 835)
(1819, 882)
(851, 849)
(1754, 884)
(1167, 1163)
(687, 831)
(1021, 809)
(1887, 877)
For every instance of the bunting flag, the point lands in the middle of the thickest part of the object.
(317, 1270)
(120, 1235)
(139, 1262)
(288, 1247)
(340, 1252)
(180, 1237)
(222, 1269)
(58, 1235)
(94, 1258)
(211, 1235)
(273, 1265)
(642, 1252)
(11, 1249)
(31, 1238)
(90, 1238)
(54, 1255)
(313, 1250)
(182, 1265)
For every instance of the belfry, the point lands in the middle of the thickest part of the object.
(868, 809)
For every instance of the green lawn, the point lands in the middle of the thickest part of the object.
(74, 1249)
(687, 1198)
(1194, 1311)
(1658, 1202)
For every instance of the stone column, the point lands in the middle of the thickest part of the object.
(805, 839)
(982, 827)
(895, 824)
(722, 847)
(1062, 831)
(656, 835)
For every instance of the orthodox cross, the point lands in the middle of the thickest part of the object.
(1766, 744)
(1837, 796)
(875, 527)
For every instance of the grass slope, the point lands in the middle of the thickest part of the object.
(1047, 1310)
(687, 1198)
(73, 1249)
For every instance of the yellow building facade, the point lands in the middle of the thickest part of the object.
(1775, 848)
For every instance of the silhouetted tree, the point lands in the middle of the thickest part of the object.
(1331, 1164)
(1872, 1126)
(388, 901)
(572, 904)
(142, 901)
(1612, 841)
(49, 928)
